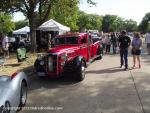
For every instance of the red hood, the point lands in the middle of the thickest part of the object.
(64, 49)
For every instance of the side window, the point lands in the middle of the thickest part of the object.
(83, 40)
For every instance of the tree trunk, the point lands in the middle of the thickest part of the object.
(33, 38)
(32, 35)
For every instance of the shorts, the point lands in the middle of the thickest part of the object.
(136, 52)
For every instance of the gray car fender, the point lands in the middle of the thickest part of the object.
(16, 85)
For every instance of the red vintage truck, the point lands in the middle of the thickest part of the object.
(71, 53)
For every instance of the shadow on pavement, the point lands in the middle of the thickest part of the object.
(28, 70)
(36, 82)
(116, 96)
(146, 59)
(13, 65)
(103, 71)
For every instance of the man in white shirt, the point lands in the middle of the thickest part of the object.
(147, 40)
(5, 46)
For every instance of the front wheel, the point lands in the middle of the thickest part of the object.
(81, 72)
(23, 95)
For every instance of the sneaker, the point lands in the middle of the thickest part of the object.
(121, 66)
(125, 68)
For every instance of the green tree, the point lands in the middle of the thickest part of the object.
(130, 25)
(89, 21)
(20, 24)
(108, 23)
(117, 25)
(66, 12)
(144, 25)
(113, 23)
(95, 22)
(82, 20)
(6, 23)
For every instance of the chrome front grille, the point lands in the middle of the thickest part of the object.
(52, 63)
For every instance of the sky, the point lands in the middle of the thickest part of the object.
(127, 9)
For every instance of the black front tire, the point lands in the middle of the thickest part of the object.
(23, 95)
(80, 73)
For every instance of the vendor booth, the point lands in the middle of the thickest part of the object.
(23, 32)
(52, 25)
(47, 31)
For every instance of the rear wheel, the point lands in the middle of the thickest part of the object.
(100, 53)
(81, 72)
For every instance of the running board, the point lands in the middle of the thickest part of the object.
(91, 60)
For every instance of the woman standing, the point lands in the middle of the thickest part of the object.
(136, 49)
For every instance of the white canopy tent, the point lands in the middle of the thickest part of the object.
(52, 25)
(24, 30)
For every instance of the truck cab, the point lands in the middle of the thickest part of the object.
(71, 54)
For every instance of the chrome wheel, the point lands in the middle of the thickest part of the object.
(81, 72)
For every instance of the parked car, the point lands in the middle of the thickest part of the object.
(72, 53)
(13, 92)
(96, 38)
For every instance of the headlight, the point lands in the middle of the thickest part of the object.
(62, 63)
(64, 57)
(42, 63)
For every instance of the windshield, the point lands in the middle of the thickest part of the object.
(66, 40)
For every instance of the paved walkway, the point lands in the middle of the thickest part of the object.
(106, 89)
(124, 91)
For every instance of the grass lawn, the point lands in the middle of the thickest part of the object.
(11, 65)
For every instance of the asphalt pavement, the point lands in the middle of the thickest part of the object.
(106, 89)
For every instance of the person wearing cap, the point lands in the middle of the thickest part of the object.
(124, 43)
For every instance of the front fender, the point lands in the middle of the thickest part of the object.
(77, 61)
(38, 67)
(74, 64)
(18, 78)
(16, 86)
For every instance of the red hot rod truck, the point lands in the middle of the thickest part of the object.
(71, 53)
